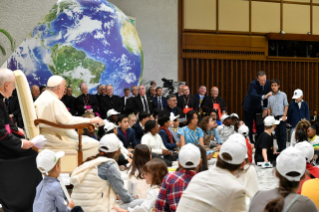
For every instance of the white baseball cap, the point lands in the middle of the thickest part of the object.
(243, 130)
(47, 159)
(306, 148)
(189, 156)
(110, 142)
(108, 126)
(297, 94)
(172, 117)
(270, 121)
(224, 117)
(235, 115)
(236, 147)
(112, 112)
(291, 160)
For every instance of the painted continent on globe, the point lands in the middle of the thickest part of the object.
(83, 41)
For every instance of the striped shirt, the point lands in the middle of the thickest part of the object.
(277, 103)
(314, 142)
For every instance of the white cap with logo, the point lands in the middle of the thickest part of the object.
(47, 159)
(112, 112)
(108, 126)
(110, 143)
(243, 130)
(291, 160)
(270, 121)
(189, 156)
(297, 94)
(224, 117)
(307, 149)
(236, 147)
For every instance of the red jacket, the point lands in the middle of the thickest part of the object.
(249, 151)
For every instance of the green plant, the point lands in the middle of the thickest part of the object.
(12, 41)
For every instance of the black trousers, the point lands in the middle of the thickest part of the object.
(249, 120)
(168, 159)
(281, 134)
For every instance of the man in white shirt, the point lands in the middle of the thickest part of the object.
(217, 190)
(49, 107)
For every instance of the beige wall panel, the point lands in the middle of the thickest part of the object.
(306, 1)
(265, 17)
(296, 18)
(200, 14)
(234, 15)
(315, 1)
(315, 26)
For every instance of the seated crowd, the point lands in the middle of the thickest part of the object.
(165, 145)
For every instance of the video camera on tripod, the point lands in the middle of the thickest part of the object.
(170, 86)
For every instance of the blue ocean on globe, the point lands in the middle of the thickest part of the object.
(90, 41)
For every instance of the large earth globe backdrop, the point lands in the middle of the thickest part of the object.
(90, 41)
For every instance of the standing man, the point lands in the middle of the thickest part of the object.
(199, 97)
(69, 91)
(179, 92)
(134, 91)
(160, 100)
(256, 104)
(19, 175)
(35, 91)
(185, 102)
(86, 102)
(314, 118)
(278, 107)
(214, 102)
(141, 102)
(126, 101)
(152, 93)
(109, 101)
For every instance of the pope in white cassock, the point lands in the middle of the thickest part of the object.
(49, 107)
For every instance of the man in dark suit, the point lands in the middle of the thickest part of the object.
(185, 101)
(199, 97)
(100, 90)
(126, 102)
(214, 102)
(256, 102)
(141, 102)
(179, 92)
(314, 118)
(14, 111)
(109, 102)
(143, 117)
(68, 102)
(86, 102)
(172, 107)
(35, 91)
(159, 100)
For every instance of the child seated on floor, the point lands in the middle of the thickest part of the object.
(167, 137)
(175, 183)
(226, 129)
(153, 171)
(142, 154)
(49, 196)
(211, 137)
(314, 139)
(174, 129)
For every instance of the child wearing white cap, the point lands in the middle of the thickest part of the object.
(218, 189)
(98, 180)
(298, 110)
(290, 170)
(226, 129)
(175, 183)
(265, 149)
(307, 149)
(49, 196)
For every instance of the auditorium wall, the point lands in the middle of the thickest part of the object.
(232, 46)
(156, 25)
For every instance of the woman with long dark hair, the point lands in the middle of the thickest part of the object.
(290, 170)
(142, 154)
(191, 133)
